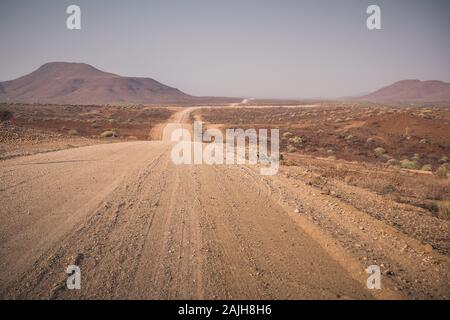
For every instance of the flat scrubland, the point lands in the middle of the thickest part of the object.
(359, 184)
(34, 128)
(398, 151)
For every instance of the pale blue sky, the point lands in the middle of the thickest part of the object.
(277, 49)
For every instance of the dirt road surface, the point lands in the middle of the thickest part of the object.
(142, 227)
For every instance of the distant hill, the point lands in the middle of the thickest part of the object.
(411, 91)
(80, 83)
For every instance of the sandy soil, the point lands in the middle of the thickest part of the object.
(141, 227)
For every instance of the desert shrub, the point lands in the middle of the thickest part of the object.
(408, 164)
(295, 140)
(5, 115)
(441, 172)
(427, 167)
(73, 132)
(416, 157)
(393, 162)
(444, 159)
(291, 148)
(444, 210)
(349, 137)
(386, 157)
(109, 134)
(287, 135)
(379, 151)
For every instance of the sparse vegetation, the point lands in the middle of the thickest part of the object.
(89, 121)
(287, 135)
(291, 148)
(72, 132)
(109, 134)
(393, 162)
(444, 210)
(409, 164)
(295, 141)
(442, 171)
(379, 151)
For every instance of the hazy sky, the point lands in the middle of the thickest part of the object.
(278, 48)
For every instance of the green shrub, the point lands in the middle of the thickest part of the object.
(442, 171)
(296, 141)
(408, 164)
(379, 151)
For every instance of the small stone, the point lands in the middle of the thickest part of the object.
(428, 248)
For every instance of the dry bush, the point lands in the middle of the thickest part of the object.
(113, 133)
(442, 171)
(393, 162)
(107, 134)
(73, 132)
(408, 164)
(444, 210)
(291, 148)
(379, 151)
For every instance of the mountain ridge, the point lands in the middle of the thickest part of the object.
(81, 83)
(411, 90)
